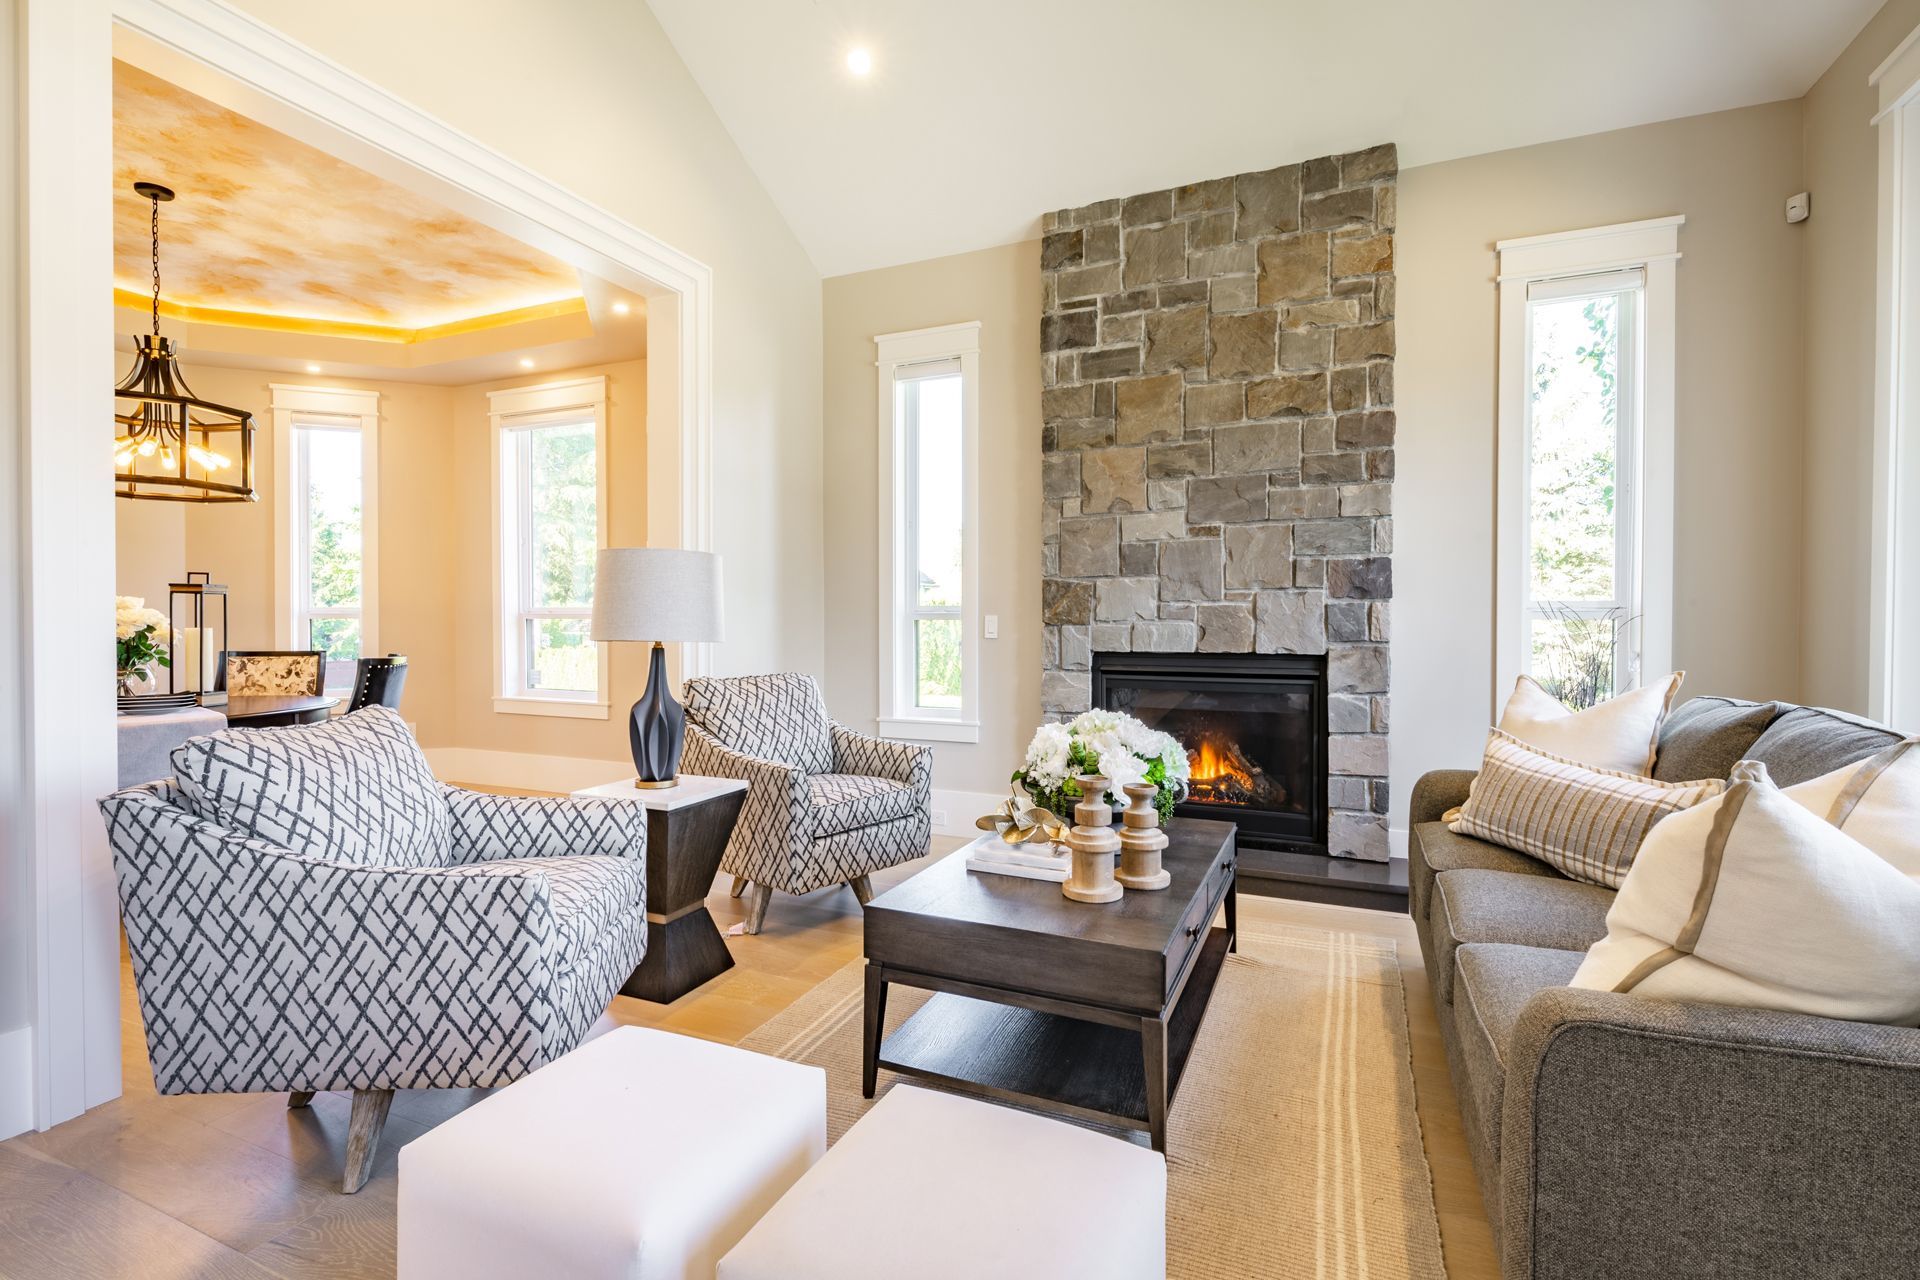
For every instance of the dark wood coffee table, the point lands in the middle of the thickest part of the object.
(1086, 1009)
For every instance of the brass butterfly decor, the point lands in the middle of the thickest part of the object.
(1023, 826)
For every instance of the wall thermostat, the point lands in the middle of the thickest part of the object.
(1799, 207)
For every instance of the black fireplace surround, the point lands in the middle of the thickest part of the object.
(1255, 729)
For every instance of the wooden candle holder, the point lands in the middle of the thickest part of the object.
(1142, 841)
(1093, 845)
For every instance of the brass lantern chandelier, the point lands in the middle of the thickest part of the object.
(170, 445)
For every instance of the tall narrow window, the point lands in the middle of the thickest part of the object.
(1584, 582)
(330, 561)
(326, 450)
(551, 518)
(929, 678)
(1583, 429)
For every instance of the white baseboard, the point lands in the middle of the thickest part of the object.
(1397, 842)
(16, 1081)
(520, 769)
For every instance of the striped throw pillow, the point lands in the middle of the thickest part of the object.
(1588, 823)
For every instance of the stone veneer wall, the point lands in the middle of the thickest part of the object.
(1218, 441)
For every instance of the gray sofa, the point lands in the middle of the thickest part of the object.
(1625, 1136)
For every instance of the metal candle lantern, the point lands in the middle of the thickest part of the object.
(198, 640)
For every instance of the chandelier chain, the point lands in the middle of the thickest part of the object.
(156, 266)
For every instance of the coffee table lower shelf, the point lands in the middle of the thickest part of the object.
(1087, 1070)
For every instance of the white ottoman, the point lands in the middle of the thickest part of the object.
(939, 1187)
(642, 1155)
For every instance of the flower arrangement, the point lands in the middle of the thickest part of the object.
(1111, 744)
(143, 635)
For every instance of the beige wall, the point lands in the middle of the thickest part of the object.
(1000, 288)
(1738, 409)
(1738, 405)
(592, 96)
(1840, 267)
(436, 595)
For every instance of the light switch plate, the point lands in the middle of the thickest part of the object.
(990, 626)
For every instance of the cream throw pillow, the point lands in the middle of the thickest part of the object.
(1876, 801)
(1589, 823)
(1752, 899)
(1621, 733)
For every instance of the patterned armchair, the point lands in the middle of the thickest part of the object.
(825, 805)
(309, 909)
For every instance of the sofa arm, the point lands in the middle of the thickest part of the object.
(903, 762)
(489, 827)
(261, 969)
(1644, 1137)
(1438, 791)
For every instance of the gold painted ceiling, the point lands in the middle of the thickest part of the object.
(269, 225)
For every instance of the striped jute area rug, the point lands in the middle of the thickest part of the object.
(1293, 1146)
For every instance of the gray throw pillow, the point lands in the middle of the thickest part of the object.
(356, 789)
(1706, 737)
(1809, 741)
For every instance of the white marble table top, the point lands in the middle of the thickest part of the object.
(688, 788)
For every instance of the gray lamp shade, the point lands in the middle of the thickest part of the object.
(656, 593)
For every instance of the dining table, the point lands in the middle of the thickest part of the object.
(267, 710)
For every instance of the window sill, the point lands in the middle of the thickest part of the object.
(927, 730)
(563, 708)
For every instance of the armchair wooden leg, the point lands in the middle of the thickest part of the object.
(862, 887)
(363, 1135)
(758, 896)
(299, 1098)
(739, 885)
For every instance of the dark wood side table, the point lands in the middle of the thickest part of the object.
(1085, 1009)
(688, 825)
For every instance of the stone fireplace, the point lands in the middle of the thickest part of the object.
(1218, 455)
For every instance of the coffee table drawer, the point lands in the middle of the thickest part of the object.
(1193, 926)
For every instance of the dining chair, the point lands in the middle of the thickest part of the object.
(379, 682)
(271, 672)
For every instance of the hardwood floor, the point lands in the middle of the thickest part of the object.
(237, 1185)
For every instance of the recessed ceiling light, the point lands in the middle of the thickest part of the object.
(526, 362)
(859, 61)
(621, 308)
(313, 368)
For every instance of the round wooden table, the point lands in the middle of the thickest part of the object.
(264, 711)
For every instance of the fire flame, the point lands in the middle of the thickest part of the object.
(1207, 764)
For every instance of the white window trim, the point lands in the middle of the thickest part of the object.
(529, 406)
(348, 409)
(1653, 246)
(1893, 619)
(899, 718)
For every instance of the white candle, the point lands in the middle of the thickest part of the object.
(209, 660)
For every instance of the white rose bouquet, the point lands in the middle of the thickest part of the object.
(142, 635)
(1111, 744)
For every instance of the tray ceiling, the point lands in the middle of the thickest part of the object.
(268, 225)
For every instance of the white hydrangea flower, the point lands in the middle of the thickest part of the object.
(1121, 768)
(1090, 724)
(1048, 756)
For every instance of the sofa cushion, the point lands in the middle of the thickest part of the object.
(1809, 741)
(1620, 733)
(1435, 847)
(849, 801)
(1706, 737)
(772, 717)
(1528, 911)
(355, 789)
(1494, 982)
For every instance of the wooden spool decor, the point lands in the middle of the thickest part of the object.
(1142, 841)
(1093, 845)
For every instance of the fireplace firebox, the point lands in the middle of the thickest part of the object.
(1255, 728)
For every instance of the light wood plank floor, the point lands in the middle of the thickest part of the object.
(237, 1185)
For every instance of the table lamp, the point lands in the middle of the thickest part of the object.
(656, 594)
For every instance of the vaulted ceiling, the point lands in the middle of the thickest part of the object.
(268, 226)
(979, 115)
